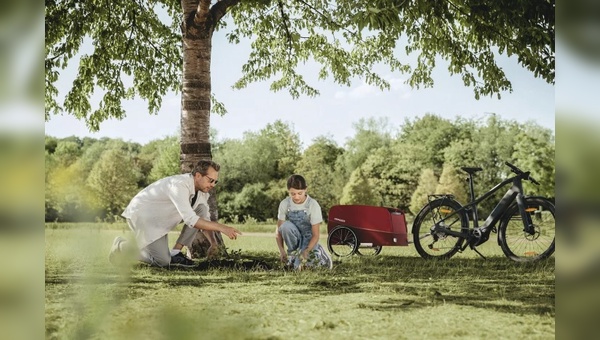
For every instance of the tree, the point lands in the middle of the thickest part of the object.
(50, 212)
(254, 201)
(136, 51)
(67, 194)
(370, 135)
(113, 182)
(91, 154)
(140, 42)
(66, 152)
(269, 154)
(166, 160)
(461, 153)
(433, 133)
(264, 157)
(534, 151)
(452, 182)
(394, 172)
(428, 183)
(358, 190)
(317, 165)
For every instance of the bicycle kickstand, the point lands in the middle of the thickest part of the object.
(480, 254)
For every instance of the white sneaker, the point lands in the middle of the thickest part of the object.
(115, 250)
(327, 258)
(324, 258)
(291, 261)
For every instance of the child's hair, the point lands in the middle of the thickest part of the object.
(297, 182)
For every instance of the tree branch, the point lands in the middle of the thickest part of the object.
(334, 23)
(203, 8)
(284, 20)
(142, 33)
(219, 9)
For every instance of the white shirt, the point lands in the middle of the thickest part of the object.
(162, 205)
(314, 209)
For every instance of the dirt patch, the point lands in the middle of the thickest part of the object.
(244, 264)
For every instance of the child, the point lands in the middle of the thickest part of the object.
(298, 221)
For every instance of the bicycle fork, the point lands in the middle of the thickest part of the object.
(525, 217)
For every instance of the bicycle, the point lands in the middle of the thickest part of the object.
(526, 231)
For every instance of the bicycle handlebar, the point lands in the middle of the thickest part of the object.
(519, 172)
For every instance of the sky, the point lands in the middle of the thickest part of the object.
(332, 114)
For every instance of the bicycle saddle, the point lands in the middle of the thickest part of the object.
(471, 171)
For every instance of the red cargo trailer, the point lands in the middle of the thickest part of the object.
(364, 229)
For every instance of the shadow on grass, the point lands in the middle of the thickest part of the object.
(237, 264)
(495, 283)
(405, 283)
(512, 306)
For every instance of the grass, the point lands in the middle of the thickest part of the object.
(395, 295)
(122, 226)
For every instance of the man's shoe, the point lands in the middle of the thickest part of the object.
(115, 251)
(181, 260)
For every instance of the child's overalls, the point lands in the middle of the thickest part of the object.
(297, 232)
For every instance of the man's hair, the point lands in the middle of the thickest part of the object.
(297, 182)
(203, 165)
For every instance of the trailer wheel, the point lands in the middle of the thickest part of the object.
(369, 251)
(342, 241)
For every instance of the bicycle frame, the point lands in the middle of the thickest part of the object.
(482, 233)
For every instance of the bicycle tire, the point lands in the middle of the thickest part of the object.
(441, 246)
(342, 241)
(520, 246)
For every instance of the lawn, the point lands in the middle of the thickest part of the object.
(395, 295)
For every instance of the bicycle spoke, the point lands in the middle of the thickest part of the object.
(521, 245)
(428, 230)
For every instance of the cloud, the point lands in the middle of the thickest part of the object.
(397, 87)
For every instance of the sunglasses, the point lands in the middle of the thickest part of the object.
(212, 180)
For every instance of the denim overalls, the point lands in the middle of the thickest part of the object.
(297, 232)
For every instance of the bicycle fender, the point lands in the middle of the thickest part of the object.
(513, 206)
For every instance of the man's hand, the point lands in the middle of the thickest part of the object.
(231, 232)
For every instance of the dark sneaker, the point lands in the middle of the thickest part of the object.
(115, 255)
(181, 260)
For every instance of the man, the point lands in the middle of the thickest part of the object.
(161, 206)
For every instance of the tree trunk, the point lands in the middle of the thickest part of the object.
(197, 30)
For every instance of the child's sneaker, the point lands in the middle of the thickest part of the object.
(291, 263)
(328, 260)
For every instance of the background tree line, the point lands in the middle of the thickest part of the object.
(91, 179)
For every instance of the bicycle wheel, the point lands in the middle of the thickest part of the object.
(342, 241)
(369, 251)
(439, 244)
(522, 246)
